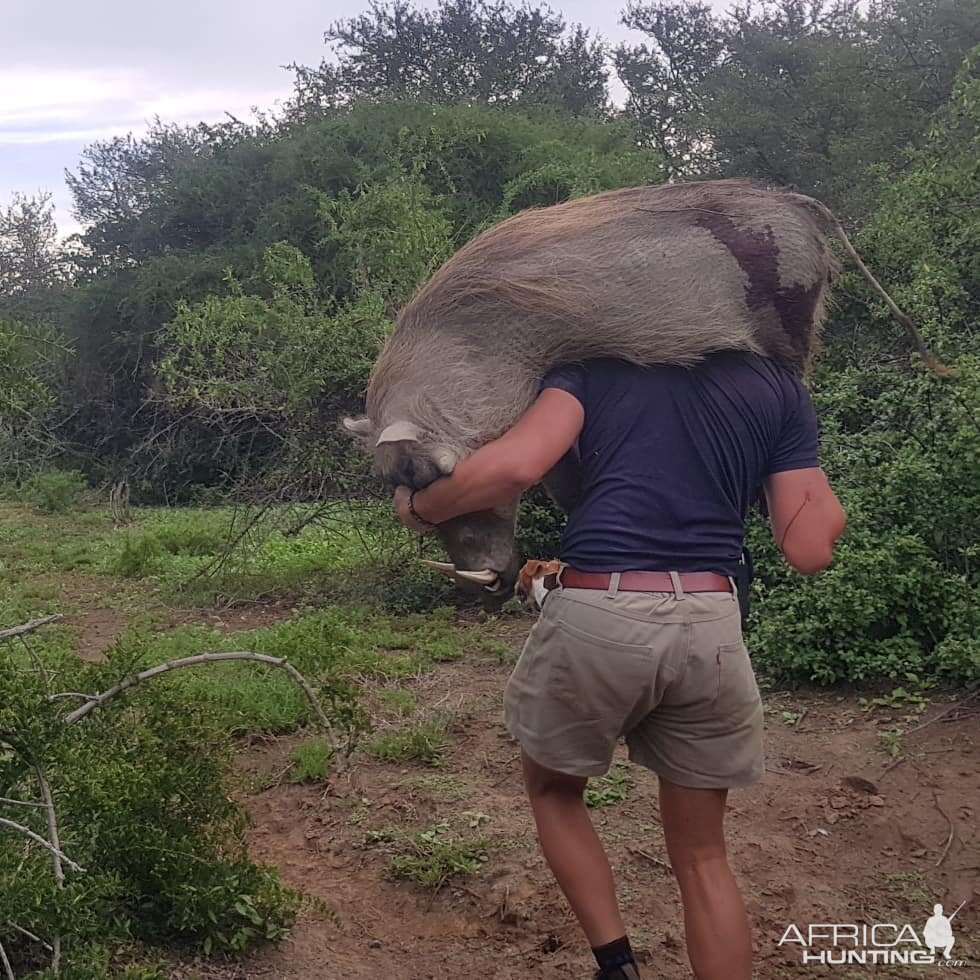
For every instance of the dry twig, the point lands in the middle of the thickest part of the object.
(8, 970)
(34, 624)
(942, 714)
(59, 873)
(952, 830)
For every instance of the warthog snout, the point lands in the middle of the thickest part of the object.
(483, 554)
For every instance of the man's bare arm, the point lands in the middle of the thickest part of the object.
(502, 470)
(806, 517)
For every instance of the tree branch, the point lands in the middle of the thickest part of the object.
(38, 839)
(206, 658)
(8, 970)
(38, 806)
(59, 872)
(30, 935)
(34, 624)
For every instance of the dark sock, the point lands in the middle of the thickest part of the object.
(617, 953)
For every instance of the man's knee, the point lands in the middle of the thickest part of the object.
(701, 862)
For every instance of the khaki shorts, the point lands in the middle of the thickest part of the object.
(669, 673)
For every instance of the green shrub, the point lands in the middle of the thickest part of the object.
(141, 796)
(408, 587)
(56, 491)
(137, 556)
(610, 789)
(875, 614)
(539, 526)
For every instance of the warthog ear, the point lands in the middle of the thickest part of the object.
(361, 428)
(402, 431)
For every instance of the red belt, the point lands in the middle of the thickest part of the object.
(641, 581)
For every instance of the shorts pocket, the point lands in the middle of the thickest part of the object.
(597, 677)
(736, 685)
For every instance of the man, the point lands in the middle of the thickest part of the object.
(938, 931)
(641, 637)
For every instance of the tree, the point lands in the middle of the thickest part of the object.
(121, 187)
(813, 94)
(30, 256)
(485, 51)
(665, 80)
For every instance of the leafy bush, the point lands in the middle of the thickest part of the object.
(173, 533)
(610, 789)
(139, 788)
(539, 526)
(56, 491)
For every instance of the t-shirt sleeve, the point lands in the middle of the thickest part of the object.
(568, 377)
(799, 438)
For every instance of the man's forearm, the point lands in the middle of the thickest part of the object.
(476, 484)
(499, 472)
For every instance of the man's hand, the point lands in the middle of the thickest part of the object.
(403, 508)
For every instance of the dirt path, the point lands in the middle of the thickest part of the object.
(828, 837)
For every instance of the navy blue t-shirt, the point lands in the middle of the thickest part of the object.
(672, 458)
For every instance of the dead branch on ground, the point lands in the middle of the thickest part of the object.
(34, 624)
(205, 658)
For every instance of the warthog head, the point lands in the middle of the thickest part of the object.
(481, 547)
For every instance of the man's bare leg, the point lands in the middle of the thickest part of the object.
(573, 850)
(719, 940)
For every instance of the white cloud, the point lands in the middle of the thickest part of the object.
(28, 137)
(28, 94)
(51, 107)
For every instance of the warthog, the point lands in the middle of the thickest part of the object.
(649, 274)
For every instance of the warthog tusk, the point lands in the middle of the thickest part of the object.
(485, 577)
(446, 567)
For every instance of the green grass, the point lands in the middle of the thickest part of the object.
(442, 786)
(342, 651)
(32, 543)
(434, 856)
(398, 701)
(174, 545)
(311, 761)
(422, 743)
(360, 556)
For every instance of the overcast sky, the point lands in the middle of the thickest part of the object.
(73, 72)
